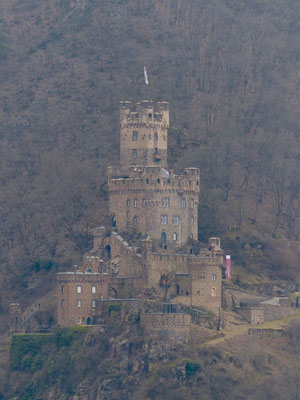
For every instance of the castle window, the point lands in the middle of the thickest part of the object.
(174, 236)
(156, 136)
(214, 277)
(134, 220)
(144, 203)
(158, 180)
(63, 289)
(176, 219)
(192, 203)
(183, 203)
(191, 236)
(128, 214)
(213, 291)
(177, 290)
(165, 202)
(147, 180)
(79, 289)
(79, 303)
(192, 221)
(62, 304)
(134, 136)
(78, 320)
(93, 303)
(135, 203)
(197, 183)
(134, 153)
(128, 202)
(198, 292)
(149, 115)
(187, 293)
(163, 220)
(155, 150)
(93, 289)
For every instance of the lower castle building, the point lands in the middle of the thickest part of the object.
(150, 251)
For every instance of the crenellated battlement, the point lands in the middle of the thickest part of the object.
(145, 111)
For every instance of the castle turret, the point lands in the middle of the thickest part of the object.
(144, 133)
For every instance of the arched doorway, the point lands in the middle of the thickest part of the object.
(88, 321)
(107, 254)
(112, 293)
(163, 237)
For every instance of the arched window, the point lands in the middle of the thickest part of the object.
(187, 293)
(213, 291)
(128, 202)
(163, 237)
(198, 292)
(135, 220)
(135, 203)
(134, 153)
(144, 203)
(174, 236)
(155, 136)
(192, 221)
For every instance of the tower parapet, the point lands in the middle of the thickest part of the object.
(144, 133)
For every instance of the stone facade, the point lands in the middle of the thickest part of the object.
(77, 293)
(144, 133)
(167, 326)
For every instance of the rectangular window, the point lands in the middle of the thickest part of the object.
(62, 304)
(176, 219)
(134, 136)
(214, 277)
(135, 203)
(128, 214)
(155, 150)
(155, 136)
(134, 220)
(134, 153)
(183, 203)
(79, 303)
(128, 202)
(78, 320)
(144, 203)
(93, 289)
(63, 289)
(165, 202)
(163, 220)
(192, 221)
(93, 303)
(192, 203)
(78, 289)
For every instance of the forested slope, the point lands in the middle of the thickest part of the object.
(230, 70)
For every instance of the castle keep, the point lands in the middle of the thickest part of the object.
(150, 250)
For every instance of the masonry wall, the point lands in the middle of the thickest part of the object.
(144, 133)
(154, 202)
(198, 276)
(253, 315)
(273, 312)
(68, 311)
(166, 326)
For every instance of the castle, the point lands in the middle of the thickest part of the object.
(150, 250)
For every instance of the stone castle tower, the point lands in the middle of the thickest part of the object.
(144, 195)
(156, 211)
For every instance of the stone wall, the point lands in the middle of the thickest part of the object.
(254, 315)
(273, 312)
(262, 333)
(166, 326)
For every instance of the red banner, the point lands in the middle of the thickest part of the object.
(228, 272)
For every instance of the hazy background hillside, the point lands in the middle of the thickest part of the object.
(230, 70)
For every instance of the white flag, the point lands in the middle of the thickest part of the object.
(145, 75)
